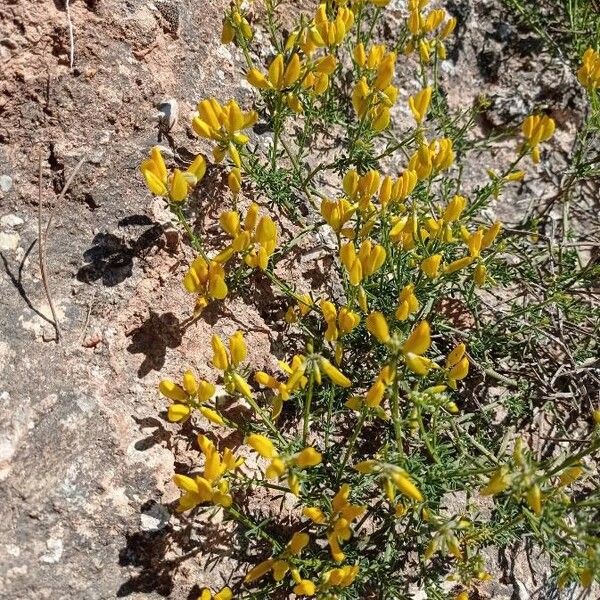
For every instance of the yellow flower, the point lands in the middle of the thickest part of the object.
(420, 365)
(281, 564)
(589, 71)
(207, 279)
(537, 129)
(234, 181)
(480, 275)
(457, 265)
(432, 158)
(377, 326)
(220, 359)
(210, 487)
(431, 265)
(434, 20)
(406, 486)
(192, 394)
(570, 475)
(448, 28)
(338, 323)
(408, 303)
(347, 320)
(330, 33)
(256, 240)
(154, 171)
(392, 477)
(176, 185)
(278, 465)
(223, 124)
(336, 213)
(241, 385)
(359, 54)
(227, 36)
(262, 445)
(418, 343)
(419, 104)
(223, 594)
(305, 587)
(490, 234)
(339, 521)
(534, 498)
(385, 71)
(341, 577)
(172, 391)
(334, 374)
(237, 348)
(366, 262)
(498, 483)
(279, 76)
(259, 570)
(230, 222)
(308, 457)
(454, 209)
(234, 22)
(457, 365)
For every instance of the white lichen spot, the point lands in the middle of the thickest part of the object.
(55, 550)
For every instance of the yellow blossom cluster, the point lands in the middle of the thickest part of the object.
(223, 123)
(192, 393)
(255, 238)
(176, 185)
(212, 486)
(374, 94)
(282, 465)
(428, 30)
(338, 520)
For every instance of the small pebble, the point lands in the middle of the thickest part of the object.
(11, 221)
(9, 241)
(5, 183)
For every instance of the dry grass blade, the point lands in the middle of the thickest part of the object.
(41, 255)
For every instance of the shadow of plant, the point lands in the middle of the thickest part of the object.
(153, 337)
(110, 259)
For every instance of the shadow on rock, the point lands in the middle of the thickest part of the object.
(153, 337)
(146, 550)
(110, 259)
(158, 436)
(149, 552)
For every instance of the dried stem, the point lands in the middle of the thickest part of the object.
(41, 254)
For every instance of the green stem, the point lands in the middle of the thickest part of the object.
(351, 443)
(290, 154)
(195, 240)
(307, 403)
(574, 459)
(265, 419)
(244, 520)
(396, 408)
(329, 414)
(430, 449)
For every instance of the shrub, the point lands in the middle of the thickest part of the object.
(371, 422)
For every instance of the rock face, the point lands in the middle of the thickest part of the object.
(83, 457)
(85, 463)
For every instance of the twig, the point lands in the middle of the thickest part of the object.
(71, 42)
(41, 248)
(65, 190)
(87, 318)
